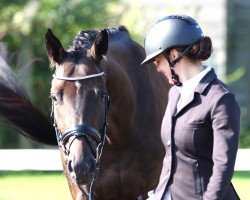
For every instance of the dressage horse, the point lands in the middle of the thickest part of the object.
(107, 112)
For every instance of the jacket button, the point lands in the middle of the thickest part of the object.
(169, 142)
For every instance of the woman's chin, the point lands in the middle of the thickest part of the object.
(170, 81)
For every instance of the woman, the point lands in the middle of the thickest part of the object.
(200, 129)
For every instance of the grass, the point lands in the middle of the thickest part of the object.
(241, 182)
(53, 185)
(33, 186)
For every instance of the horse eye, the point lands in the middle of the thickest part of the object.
(53, 97)
(56, 96)
(102, 96)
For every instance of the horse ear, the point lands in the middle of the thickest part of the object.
(54, 48)
(100, 46)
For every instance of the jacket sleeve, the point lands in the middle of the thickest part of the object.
(225, 117)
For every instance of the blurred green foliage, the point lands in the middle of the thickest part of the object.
(23, 24)
(22, 28)
(235, 76)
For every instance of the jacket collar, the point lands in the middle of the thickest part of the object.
(205, 81)
(201, 87)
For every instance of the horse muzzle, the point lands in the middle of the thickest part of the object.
(80, 146)
(80, 167)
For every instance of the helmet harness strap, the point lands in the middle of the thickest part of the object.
(175, 77)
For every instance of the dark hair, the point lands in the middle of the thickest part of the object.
(200, 51)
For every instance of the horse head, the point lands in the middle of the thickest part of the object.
(80, 102)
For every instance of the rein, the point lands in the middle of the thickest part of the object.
(94, 138)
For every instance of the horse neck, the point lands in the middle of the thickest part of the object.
(138, 95)
(123, 104)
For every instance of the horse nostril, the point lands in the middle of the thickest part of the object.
(70, 169)
(90, 164)
(81, 169)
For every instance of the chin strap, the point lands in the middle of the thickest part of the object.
(175, 77)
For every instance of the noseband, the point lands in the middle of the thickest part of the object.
(94, 138)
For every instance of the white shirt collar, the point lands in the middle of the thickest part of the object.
(189, 86)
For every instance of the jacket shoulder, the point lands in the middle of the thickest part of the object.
(220, 87)
(217, 88)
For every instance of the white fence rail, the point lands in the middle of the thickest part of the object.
(242, 160)
(50, 160)
(30, 159)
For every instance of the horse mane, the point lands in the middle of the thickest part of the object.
(85, 38)
(17, 109)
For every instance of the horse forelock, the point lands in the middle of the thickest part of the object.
(85, 38)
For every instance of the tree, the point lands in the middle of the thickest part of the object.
(22, 28)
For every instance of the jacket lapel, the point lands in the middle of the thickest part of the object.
(188, 101)
(174, 101)
(205, 81)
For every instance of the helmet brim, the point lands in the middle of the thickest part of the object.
(150, 58)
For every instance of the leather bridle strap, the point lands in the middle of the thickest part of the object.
(82, 130)
(78, 131)
(78, 78)
(100, 146)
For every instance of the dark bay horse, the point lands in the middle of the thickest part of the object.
(111, 150)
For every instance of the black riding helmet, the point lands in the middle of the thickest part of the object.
(171, 31)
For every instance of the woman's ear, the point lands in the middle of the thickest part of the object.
(173, 54)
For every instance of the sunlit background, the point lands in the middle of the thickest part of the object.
(23, 25)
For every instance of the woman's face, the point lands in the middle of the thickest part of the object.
(163, 66)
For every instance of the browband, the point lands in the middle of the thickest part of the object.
(78, 78)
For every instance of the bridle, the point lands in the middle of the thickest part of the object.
(94, 138)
